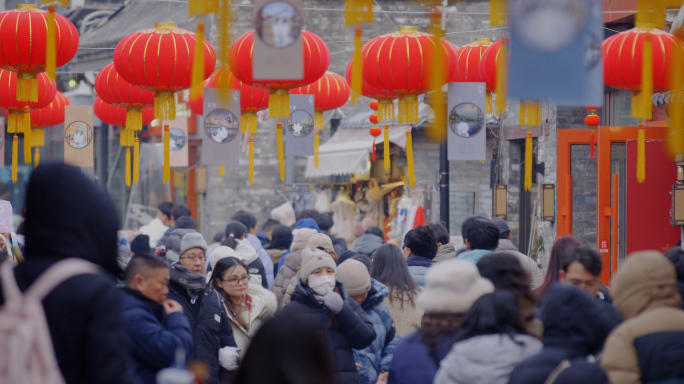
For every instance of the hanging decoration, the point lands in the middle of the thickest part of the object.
(468, 58)
(114, 89)
(494, 71)
(138, 56)
(281, 150)
(375, 131)
(19, 117)
(592, 120)
(409, 159)
(529, 149)
(357, 12)
(385, 99)
(675, 108)
(316, 62)
(436, 129)
(46, 117)
(223, 22)
(202, 7)
(25, 43)
(402, 62)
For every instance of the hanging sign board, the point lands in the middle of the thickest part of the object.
(553, 50)
(178, 136)
(221, 129)
(278, 40)
(300, 132)
(78, 135)
(466, 125)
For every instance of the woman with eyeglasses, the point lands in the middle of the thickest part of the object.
(212, 333)
(249, 305)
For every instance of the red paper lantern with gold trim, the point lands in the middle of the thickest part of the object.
(160, 60)
(316, 59)
(467, 69)
(488, 62)
(116, 116)
(385, 99)
(23, 45)
(46, 93)
(402, 63)
(115, 90)
(330, 91)
(51, 115)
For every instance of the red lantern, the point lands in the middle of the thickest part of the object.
(373, 119)
(160, 60)
(330, 91)
(196, 104)
(316, 59)
(592, 120)
(51, 115)
(252, 99)
(373, 105)
(488, 61)
(24, 34)
(114, 90)
(116, 116)
(46, 93)
(375, 132)
(468, 58)
(385, 99)
(401, 63)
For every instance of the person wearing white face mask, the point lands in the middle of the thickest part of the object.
(323, 299)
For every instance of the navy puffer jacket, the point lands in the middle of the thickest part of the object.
(348, 329)
(575, 328)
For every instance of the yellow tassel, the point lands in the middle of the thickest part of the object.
(15, 154)
(386, 148)
(198, 64)
(358, 11)
(222, 170)
(318, 120)
(12, 121)
(357, 70)
(386, 109)
(502, 78)
(436, 130)
(281, 150)
(36, 159)
(644, 15)
(51, 45)
(641, 155)
(223, 24)
(646, 105)
(409, 159)
(27, 144)
(279, 104)
(164, 106)
(537, 113)
(167, 155)
(523, 114)
(497, 13)
(659, 14)
(23, 119)
(528, 161)
(134, 119)
(37, 137)
(251, 160)
(489, 106)
(248, 123)
(408, 109)
(636, 105)
(675, 107)
(315, 160)
(126, 138)
(27, 87)
(128, 167)
(136, 160)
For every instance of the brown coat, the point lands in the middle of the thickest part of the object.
(408, 318)
(645, 293)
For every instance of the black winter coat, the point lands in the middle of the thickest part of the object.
(210, 326)
(68, 215)
(256, 267)
(350, 328)
(575, 326)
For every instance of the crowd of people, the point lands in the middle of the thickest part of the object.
(273, 304)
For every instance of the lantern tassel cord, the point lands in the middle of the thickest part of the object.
(164, 106)
(134, 119)
(523, 114)
(315, 159)
(641, 155)
(408, 109)
(645, 105)
(373, 151)
(281, 151)
(502, 78)
(167, 155)
(36, 159)
(222, 170)
(409, 159)
(251, 160)
(675, 107)
(51, 46)
(489, 106)
(386, 148)
(27, 87)
(136, 160)
(592, 141)
(248, 123)
(27, 144)
(198, 64)
(357, 70)
(279, 104)
(318, 120)
(528, 161)
(15, 160)
(128, 167)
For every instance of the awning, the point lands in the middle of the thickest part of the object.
(348, 150)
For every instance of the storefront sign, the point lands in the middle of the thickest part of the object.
(466, 125)
(78, 135)
(603, 246)
(220, 129)
(278, 40)
(300, 132)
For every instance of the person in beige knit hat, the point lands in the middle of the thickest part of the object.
(292, 263)
(369, 293)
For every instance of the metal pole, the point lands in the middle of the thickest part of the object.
(443, 184)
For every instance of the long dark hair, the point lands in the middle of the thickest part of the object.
(506, 273)
(493, 313)
(295, 343)
(281, 238)
(221, 267)
(437, 327)
(234, 231)
(389, 267)
(558, 250)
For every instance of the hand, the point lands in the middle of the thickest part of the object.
(171, 306)
(358, 366)
(228, 358)
(333, 301)
(382, 378)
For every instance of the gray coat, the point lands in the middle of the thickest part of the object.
(291, 265)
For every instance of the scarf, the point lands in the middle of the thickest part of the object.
(193, 283)
(419, 261)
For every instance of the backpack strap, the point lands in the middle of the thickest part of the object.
(565, 364)
(10, 289)
(57, 274)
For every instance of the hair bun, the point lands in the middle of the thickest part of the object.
(231, 235)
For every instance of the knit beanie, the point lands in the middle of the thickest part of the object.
(453, 287)
(173, 243)
(312, 259)
(141, 245)
(321, 240)
(300, 238)
(221, 253)
(308, 223)
(193, 240)
(355, 277)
